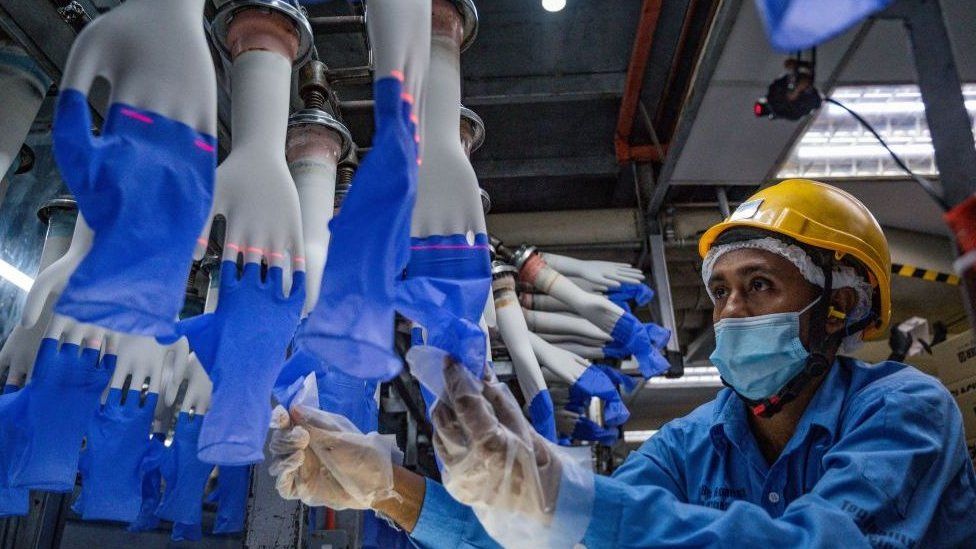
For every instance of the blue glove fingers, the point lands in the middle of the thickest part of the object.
(151, 485)
(615, 412)
(586, 429)
(186, 532)
(593, 382)
(233, 484)
(542, 415)
(658, 335)
(117, 443)
(619, 378)
(249, 332)
(63, 397)
(184, 474)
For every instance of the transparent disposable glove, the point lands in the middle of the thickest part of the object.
(523, 491)
(321, 459)
(146, 182)
(604, 273)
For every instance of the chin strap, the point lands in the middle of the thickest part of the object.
(817, 363)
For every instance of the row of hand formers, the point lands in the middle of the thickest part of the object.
(145, 186)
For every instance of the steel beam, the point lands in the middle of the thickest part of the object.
(596, 166)
(662, 286)
(543, 89)
(945, 110)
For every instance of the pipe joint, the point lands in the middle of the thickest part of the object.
(274, 25)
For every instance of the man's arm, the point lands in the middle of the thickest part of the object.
(430, 515)
(884, 482)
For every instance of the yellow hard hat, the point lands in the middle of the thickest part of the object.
(823, 216)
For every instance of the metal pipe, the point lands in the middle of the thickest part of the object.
(723, 202)
(650, 13)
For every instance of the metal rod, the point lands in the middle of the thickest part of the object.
(342, 24)
(723, 202)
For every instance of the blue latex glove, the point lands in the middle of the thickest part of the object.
(186, 532)
(461, 272)
(339, 392)
(242, 347)
(61, 400)
(151, 485)
(351, 326)
(595, 383)
(13, 501)
(542, 415)
(618, 378)
(117, 443)
(586, 429)
(185, 476)
(145, 185)
(631, 337)
(351, 397)
(421, 300)
(230, 496)
(622, 295)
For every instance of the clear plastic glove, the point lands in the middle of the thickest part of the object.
(146, 182)
(321, 459)
(523, 491)
(604, 273)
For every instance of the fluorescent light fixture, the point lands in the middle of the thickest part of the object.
(836, 146)
(637, 437)
(553, 5)
(696, 376)
(15, 277)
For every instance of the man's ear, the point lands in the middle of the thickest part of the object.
(842, 302)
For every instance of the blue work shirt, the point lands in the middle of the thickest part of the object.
(877, 459)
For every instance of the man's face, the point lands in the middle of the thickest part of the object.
(750, 282)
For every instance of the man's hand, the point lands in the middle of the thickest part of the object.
(321, 459)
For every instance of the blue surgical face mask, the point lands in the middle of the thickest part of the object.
(757, 356)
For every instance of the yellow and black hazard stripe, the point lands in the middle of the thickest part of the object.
(912, 271)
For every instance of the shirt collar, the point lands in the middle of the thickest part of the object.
(730, 420)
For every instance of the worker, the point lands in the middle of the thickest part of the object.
(804, 448)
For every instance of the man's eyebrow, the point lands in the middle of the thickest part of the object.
(745, 270)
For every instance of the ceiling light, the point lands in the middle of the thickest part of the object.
(638, 436)
(553, 5)
(15, 277)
